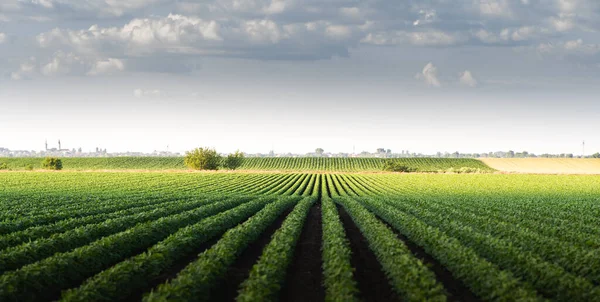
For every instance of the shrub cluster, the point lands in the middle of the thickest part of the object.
(209, 159)
(395, 166)
(52, 163)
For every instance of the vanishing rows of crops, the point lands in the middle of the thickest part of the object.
(294, 164)
(226, 236)
(503, 237)
(129, 240)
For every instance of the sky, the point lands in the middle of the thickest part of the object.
(293, 75)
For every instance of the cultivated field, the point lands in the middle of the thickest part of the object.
(545, 165)
(284, 164)
(87, 236)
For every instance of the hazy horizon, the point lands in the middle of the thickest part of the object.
(424, 76)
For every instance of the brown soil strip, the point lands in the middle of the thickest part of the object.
(372, 282)
(304, 276)
(227, 290)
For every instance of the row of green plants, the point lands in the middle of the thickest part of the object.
(522, 252)
(580, 257)
(61, 226)
(196, 281)
(136, 273)
(30, 251)
(338, 273)
(39, 279)
(407, 275)
(209, 159)
(268, 274)
(484, 278)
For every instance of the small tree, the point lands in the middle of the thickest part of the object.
(395, 166)
(234, 160)
(319, 151)
(52, 163)
(202, 159)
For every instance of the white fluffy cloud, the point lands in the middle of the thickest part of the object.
(429, 75)
(61, 64)
(26, 70)
(426, 16)
(419, 38)
(497, 8)
(174, 33)
(107, 67)
(64, 64)
(178, 34)
(467, 79)
(572, 47)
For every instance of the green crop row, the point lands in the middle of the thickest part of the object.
(36, 232)
(409, 277)
(15, 257)
(63, 270)
(338, 273)
(195, 281)
(267, 275)
(557, 283)
(133, 274)
(296, 164)
(484, 278)
(581, 260)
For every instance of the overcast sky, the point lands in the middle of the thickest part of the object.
(294, 75)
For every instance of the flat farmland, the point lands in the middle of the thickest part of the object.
(98, 236)
(545, 165)
(281, 164)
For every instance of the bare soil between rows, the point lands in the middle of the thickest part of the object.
(304, 275)
(239, 271)
(369, 275)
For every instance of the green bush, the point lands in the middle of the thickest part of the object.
(52, 163)
(202, 159)
(394, 166)
(29, 167)
(3, 166)
(234, 160)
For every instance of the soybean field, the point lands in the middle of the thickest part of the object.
(282, 164)
(98, 236)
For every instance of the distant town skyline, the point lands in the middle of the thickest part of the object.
(380, 152)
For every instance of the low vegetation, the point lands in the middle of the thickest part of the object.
(52, 163)
(202, 159)
(391, 165)
(233, 160)
(76, 236)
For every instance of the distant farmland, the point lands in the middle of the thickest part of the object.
(288, 164)
(545, 165)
